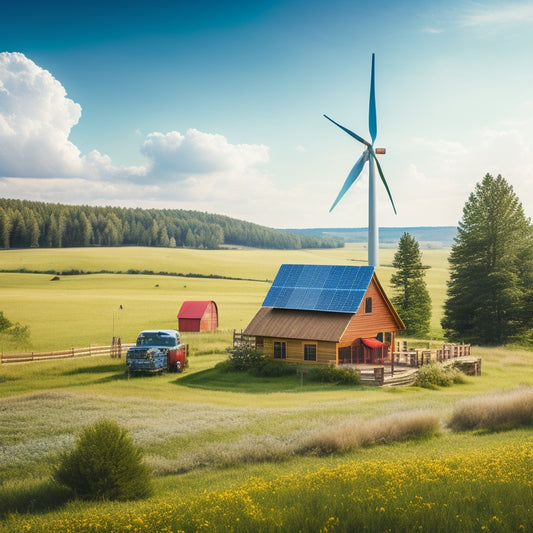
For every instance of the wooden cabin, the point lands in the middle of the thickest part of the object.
(198, 316)
(326, 314)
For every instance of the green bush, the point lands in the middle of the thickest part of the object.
(105, 464)
(275, 369)
(330, 374)
(438, 375)
(244, 357)
(13, 335)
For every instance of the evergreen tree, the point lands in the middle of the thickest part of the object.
(491, 268)
(412, 300)
(5, 228)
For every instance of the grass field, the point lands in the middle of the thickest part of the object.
(231, 452)
(77, 311)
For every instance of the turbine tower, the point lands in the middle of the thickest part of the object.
(368, 155)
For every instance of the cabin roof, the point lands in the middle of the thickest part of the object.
(296, 324)
(331, 288)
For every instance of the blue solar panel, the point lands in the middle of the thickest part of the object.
(335, 288)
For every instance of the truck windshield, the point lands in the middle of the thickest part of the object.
(153, 339)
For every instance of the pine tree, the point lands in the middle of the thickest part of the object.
(412, 300)
(491, 268)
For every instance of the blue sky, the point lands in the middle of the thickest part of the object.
(217, 106)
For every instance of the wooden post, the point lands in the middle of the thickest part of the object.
(379, 375)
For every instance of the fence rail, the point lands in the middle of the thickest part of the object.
(240, 338)
(113, 350)
(415, 358)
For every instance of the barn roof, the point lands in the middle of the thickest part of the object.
(193, 309)
(294, 324)
(331, 288)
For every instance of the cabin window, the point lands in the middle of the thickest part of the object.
(368, 305)
(280, 350)
(384, 337)
(309, 352)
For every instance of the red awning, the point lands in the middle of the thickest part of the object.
(373, 343)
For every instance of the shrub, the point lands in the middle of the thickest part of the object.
(13, 335)
(275, 369)
(105, 464)
(330, 374)
(244, 357)
(494, 412)
(438, 375)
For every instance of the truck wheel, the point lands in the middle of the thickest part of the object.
(178, 367)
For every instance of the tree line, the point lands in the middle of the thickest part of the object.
(28, 224)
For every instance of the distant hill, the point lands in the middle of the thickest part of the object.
(427, 236)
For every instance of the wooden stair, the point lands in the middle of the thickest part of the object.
(401, 378)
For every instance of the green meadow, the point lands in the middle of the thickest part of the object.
(232, 452)
(81, 310)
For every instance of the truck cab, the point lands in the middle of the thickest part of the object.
(156, 351)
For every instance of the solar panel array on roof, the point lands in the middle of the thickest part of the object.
(334, 288)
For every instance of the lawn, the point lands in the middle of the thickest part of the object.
(234, 440)
(80, 310)
(230, 451)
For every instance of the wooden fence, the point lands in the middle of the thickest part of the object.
(415, 358)
(240, 338)
(113, 350)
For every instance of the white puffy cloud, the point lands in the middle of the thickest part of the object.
(176, 156)
(35, 121)
(36, 118)
(193, 170)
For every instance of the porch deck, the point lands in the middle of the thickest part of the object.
(383, 375)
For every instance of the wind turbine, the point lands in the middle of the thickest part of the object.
(368, 155)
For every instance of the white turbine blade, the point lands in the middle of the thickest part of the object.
(350, 132)
(352, 176)
(385, 183)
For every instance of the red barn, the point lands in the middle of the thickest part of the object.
(198, 316)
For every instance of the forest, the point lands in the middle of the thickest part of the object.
(28, 224)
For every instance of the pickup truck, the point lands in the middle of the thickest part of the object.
(156, 351)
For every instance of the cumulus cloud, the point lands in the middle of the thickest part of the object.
(36, 118)
(35, 121)
(191, 170)
(176, 156)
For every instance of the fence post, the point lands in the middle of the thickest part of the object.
(379, 375)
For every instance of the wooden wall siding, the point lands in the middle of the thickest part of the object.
(325, 351)
(370, 324)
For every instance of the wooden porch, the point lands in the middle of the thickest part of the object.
(401, 367)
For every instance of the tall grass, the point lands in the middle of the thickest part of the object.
(503, 410)
(480, 491)
(326, 439)
(355, 432)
